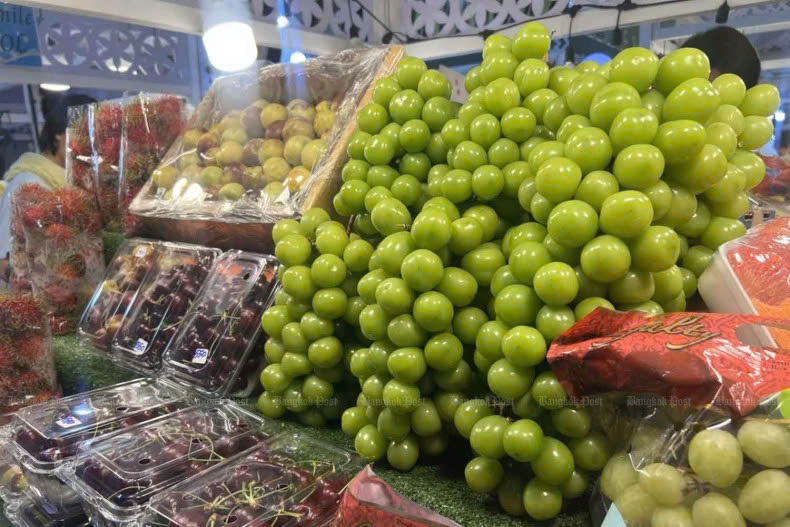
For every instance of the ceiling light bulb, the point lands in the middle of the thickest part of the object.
(230, 46)
(282, 21)
(51, 86)
(297, 57)
(779, 116)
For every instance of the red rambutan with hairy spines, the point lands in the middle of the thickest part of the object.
(21, 315)
(59, 235)
(39, 217)
(31, 348)
(6, 354)
(109, 117)
(110, 149)
(79, 208)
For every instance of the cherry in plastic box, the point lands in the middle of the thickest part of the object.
(750, 275)
(46, 436)
(125, 274)
(211, 349)
(288, 481)
(28, 513)
(116, 475)
(164, 298)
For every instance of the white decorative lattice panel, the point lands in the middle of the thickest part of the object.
(81, 45)
(340, 18)
(434, 18)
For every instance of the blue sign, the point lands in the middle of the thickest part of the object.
(18, 36)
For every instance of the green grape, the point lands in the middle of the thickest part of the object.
(293, 249)
(401, 397)
(270, 405)
(274, 320)
(501, 95)
(547, 391)
(626, 214)
(689, 282)
(561, 78)
(552, 321)
(729, 115)
(590, 148)
(483, 474)
(457, 379)
(671, 516)
(609, 101)
(679, 66)
(472, 79)
(483, 262)
(538, 100)
(605, 259)
(518, 304)
(556, 111)
(372, 118)
(762, 100)
(554, 463)
(582, 90)
(509, 381)
(721, 230)
(757, 131)
(569, 125)
(447, 403)
(497, 66)
(588, 305)
(311, 219)
(557, 178)
(716, 510)
(653, 100)
(542, 151)
(617, 475)
(723, 136)
(633, 126)
(556, 284)
(373, 322)
(285, 227)
(514, 175)
(532, 41)
(433, 311)
(523, 440)
(274, 350)
(390, 216)
(526, 259)
(328, 270)
(763, 499)
(766, 443)
(716, 456)
(638, 166)
(523, 346)
(404, 331)
(469, 413)
(326, 352)
(298, 283)
(571, 422)
(635, 505)
(702, 172)
(422, 270)
(591, 452)
(402, 454)
(576, 485)
(416, 165)
(457, 185)
(728, 188)
(468, 156)
(425, 419)
(431, 229)
(751, 165)
(443, 352)
(649, 307)
(573, 223)
(406, 364)
(489, 339)
(467, 323)
(635, 66)
(410, 71)
(510, 495)
(632, 288)
(681, 209)
(517, 124)
(698, 222)
(542, 501)
(595, 187)
(731, 88)
(370, 443)
(317, 390)
(693, 99)
(487, 435)
(660, 196)
(663, 482)
(680, 141)
(668, 284)
(405, 106)
(503, 152)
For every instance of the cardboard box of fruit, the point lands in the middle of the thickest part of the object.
(261, 147)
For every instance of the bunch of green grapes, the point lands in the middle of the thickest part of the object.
(312, 323)
(728, 479)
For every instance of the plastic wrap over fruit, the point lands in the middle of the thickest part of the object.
(289, 480)
(774, 189)
(63, 250)
(369, 500)
(750, 275)
(12, 479)
(27, 360)
(26, 196)
(118, 474)
(211, 351)
(263, 145)
(151, 122)
(28, 513)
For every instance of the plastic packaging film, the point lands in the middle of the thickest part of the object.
(260, 147)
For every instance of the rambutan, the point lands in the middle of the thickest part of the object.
(72, 268)
(78, 207)
(59, 235)
(40, 216)
(21, 315)
(168, 105)
(109, 117)
(31, 348)
(60, 298)
(6, 353)
(32, 194)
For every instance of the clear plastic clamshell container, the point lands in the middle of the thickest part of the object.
(288, 481)
(156, 313)
(46, 436)
(117, 475)
(12, 479)
(210, 351)
(28, 513)
(122, 281)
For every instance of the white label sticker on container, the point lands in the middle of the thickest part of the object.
(139, 347)
(141, 251)
(68, 421)
(613, 518)
(200, 356)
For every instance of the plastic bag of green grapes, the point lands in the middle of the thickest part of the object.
(702, 420)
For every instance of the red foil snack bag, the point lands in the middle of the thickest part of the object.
(695, 357)
(369, 501)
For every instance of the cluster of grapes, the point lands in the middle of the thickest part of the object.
(312, 319)
(483, 231)
(728, 479)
